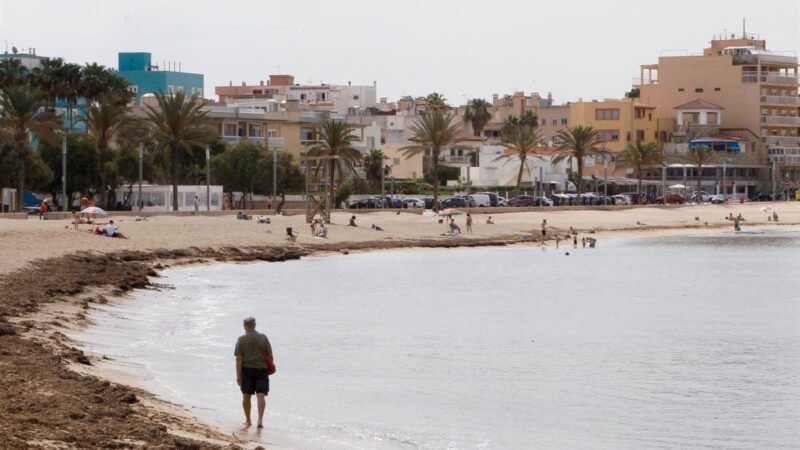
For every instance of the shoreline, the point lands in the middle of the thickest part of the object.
(39, 300)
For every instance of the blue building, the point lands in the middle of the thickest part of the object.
(146, 78)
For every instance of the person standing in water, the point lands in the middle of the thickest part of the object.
(252, 350)
(544, 230)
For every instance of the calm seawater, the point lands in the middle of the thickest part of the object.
(672, 342)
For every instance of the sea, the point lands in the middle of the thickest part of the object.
(688, 342)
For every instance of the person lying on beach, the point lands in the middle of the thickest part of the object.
(376, 227)
(242, 216)
(111, 231)
(455, 229)
(353, 221)
(263, 219)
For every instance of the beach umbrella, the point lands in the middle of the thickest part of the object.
(677, 186)
(450, 212)
(94, 210)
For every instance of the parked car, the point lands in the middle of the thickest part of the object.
(501, 201)
(543, 201)
(761, 197)
(454, 202)
(672, 199)
(480, 200)
(704, 196)
(493, 198)
(428, 202)
(522, 200)
(367, 203)
(719, 199)
(414, 203)
(637, 198)
(621, 199)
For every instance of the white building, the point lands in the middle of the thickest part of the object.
(159, 197)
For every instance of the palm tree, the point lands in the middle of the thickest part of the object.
(22, 114)
(477, 112)
(700, 157)
(178, 126)
(12, 72)
(375, 167)
(528, 118)
(94, 79)
(47, 77)
(521, 140)
(432, 133)
(104, 119)
(436, 102)
(69, 78)
(576, 142)
(336, 142)
(640, 156)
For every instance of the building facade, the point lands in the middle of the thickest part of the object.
(148, 78)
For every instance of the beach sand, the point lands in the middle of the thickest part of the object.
(54, 395)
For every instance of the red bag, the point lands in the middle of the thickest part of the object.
(271, 369)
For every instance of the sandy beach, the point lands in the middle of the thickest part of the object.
(50, 275)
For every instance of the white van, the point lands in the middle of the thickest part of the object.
(480, 200)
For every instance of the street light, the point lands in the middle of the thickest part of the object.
(208, 179)
(141, 159)
(64, 174)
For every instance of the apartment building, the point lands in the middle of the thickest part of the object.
(148, 78)
(340, 99)
(757, 92)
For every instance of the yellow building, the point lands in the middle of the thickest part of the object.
(756, 89)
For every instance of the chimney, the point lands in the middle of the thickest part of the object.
(230, 82)
(244, 84)
(262, 82)
(348, 83)
(495, 97)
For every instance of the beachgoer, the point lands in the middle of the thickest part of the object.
(196, 203)
(774, 216)
(269, 202)
(736, 221)
(583, 242)
(544, 229)
(574, 240)
(353, 221)
(469, 223)
(282, 202)
(42, 210)
(572, 231)
(455, 229)
(76, 219)
(489, 221)
(111, 231)
(558, 240)
(323, 230)
(313, 227)
(376, 227)
(251, 352)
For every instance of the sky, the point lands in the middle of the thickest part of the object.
(463, 49)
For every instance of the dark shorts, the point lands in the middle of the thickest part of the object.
(544, 232)
(254, 381)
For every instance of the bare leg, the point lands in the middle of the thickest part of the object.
(261, 406)
(246, 407)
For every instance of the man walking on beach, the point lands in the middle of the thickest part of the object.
(252, 350)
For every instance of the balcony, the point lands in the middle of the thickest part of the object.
(452, 159)
(778, 141)
(273, 142)
(781, 120)
(780, 100)
(771, 78)
(784, 155)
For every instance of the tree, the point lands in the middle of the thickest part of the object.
(477, 112)
(633, 93)
(81, 165)
(436, 102)
(12, 73)
(104, 119)
(178, 125)
(22, 114)
(69, 80)
(47, 77)
(336, 141)
(375, 167)
(700, 157)
(639, 156)
(576, 142)
(527, 118)
(432, 133)
(522, 140)
(237, 168)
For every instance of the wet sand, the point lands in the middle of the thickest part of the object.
(51, 275)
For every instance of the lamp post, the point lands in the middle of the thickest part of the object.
(274, 172)
(208, 179)
(64, 174)
(141, 160)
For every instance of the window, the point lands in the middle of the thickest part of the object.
(628, 136)
(606, 114)
(680, 89)
(229, 129)
(699, 90)
(180, 88)
(639, 135)
(254, 131)
(170, 90)
(307, 134)
(608, 135)
(712, 118)
(563, 121)
(717, 89)
(302, 96)
(355, 97)
(257, 91)
(544, 122)
(555, 121)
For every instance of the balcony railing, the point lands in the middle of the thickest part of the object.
(781, 120)
(791, 141)
(781, 100)
(784, 155)
(273, 142)
(772, 78)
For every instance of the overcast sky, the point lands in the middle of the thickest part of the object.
(463, 49)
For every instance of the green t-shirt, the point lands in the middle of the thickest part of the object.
(249, 346)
